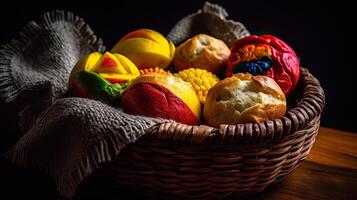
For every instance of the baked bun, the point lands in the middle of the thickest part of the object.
(202, 51)
(244, 98)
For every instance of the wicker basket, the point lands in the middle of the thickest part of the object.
(201, 162)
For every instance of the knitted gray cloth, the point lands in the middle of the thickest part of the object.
(44, 55)
(74, 136)
(212, 20)
(70, 137)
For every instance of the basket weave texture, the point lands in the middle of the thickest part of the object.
(201, 162)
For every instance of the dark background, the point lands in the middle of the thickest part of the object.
(316, 30)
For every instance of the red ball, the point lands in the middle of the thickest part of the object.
(285, 69)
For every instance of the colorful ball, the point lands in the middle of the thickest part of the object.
(163, 96)
(265, 55)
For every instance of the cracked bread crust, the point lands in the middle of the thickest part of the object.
(244, 98)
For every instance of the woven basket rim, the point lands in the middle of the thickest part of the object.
(307, 108)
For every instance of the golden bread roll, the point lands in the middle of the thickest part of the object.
(244, 98)
(202, 51)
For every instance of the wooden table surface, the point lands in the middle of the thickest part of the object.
(330, 171)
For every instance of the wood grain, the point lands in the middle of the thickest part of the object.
(330, 172)
(335, 148)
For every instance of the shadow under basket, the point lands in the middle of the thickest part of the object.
(200, 162)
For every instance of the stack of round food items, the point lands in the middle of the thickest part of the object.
(201, 81)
